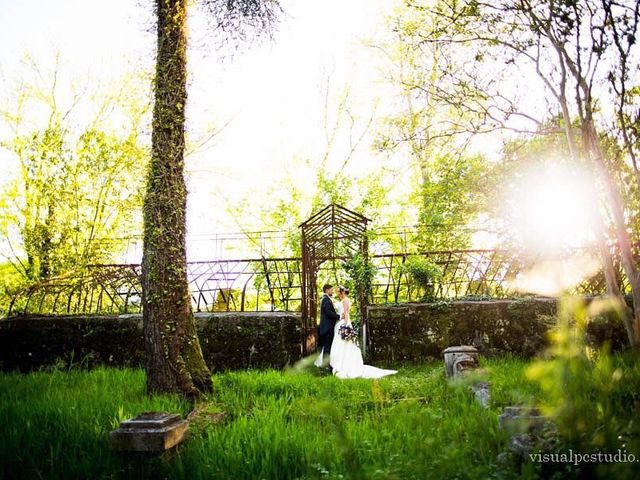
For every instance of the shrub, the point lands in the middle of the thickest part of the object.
(592, 396)
(424, 273)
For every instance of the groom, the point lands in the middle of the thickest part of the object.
(328, 319)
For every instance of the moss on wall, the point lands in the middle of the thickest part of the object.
(415, 332)
(397, 334)
(229, 340)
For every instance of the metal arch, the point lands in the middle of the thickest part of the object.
(320, 233)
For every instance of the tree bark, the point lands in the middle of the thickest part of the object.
(631, 319)
(174, 362)
(611, 280)
(591, 145)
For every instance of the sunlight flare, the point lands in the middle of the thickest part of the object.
(555, 276)
(550, 208)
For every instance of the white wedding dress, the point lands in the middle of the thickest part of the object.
(346, 357)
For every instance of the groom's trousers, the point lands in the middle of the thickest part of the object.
(325, 340)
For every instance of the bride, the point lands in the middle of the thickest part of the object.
(346, 357)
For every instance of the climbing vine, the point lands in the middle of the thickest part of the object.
(360, 276)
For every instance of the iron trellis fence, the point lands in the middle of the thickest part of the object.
(221, 285)
(275, 284)
(479, 273)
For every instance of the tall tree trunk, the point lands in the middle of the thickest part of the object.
(610, 277)
(600, 169)
(591, 142)
(174, 361)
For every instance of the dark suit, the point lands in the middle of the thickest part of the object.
(328, 319)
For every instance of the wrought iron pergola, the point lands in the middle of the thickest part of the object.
(332, 226)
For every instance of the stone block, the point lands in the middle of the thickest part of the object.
(482, 393)
(150, 432)
(517, 420)
(459, 359)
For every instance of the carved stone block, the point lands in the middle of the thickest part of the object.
(150, 432)
(459, 359)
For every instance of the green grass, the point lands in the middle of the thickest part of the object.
(278, 425)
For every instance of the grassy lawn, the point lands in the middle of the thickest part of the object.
(277, 425)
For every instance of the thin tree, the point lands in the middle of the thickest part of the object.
(568, 44)
(174, 361)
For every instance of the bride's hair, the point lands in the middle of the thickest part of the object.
(344, 290)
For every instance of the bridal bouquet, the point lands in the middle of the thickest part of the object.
(348, 333)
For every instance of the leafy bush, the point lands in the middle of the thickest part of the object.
(10, 282)
(424, 273)
(361, 274)
(593, 396)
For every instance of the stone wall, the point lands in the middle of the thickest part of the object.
(229, 340)
(397, 334)
(416, 332)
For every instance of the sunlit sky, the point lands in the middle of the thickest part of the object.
(271, 96)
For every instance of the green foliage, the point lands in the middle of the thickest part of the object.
(424, 273)
(77, 185)
(591, 395)
(10, 282)
(360, 276)
(73, 412)
(280, 299)
(71, 196)
(429, 129)
(452, 195)
(475, 298)
(361, 273)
